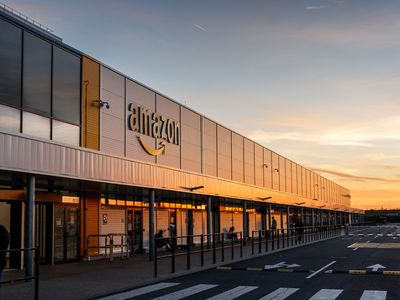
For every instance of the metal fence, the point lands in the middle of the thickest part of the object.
(28, 277)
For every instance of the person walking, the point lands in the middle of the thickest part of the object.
(273, 227)
(4, 241)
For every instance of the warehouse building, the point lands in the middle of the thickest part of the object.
(86, 151)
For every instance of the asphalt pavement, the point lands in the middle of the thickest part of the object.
(362, 265)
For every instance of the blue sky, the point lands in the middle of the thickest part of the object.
(316, 81)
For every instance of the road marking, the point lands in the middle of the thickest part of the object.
(281, 264)
(186, 292)
(280, 294)
(373, 295)
(140, 291)
(323, 268)
(355, 249)
(376, 267)
(326, 294)
(234, 293)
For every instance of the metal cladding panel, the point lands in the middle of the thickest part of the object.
(299, 180)
(224, 152)
(282, 173)
(259, 165)
(23, 154)
(138, 94)
(249, 157)
(112, 121)
(275, 171)
(304, 182)
(237, 157)
(172, 155)
(268, 168)
(90, 115)
(294, 179)
(289, 187)
(209, 147)
(309, 184)
(190, 141)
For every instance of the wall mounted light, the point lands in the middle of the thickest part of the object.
(276, 170)
(265, 165)
(264, 198)
(193, 188)
(300, 203)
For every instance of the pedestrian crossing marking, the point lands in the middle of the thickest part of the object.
(375, 245)
(234, 293)
(280, 294)
(373, 295)
(326, 294)
(186, 292)
(140, 291)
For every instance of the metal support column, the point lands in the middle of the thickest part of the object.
(245, 235)
(288, 219)
(269, 216)
(302, 214)
(312, 217)
(208, 222)
(151, 225)
(28, 238)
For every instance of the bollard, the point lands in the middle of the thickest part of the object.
(266, 240)
(283, 238)
(241, 245)
(188, 256)
(111, 248)
(233, 244)
(252, 243)
(37, 273)
(214, 250)
(202, 250)
(172, 254)
(259, 241)
(222, 248)
(273, 240)
(155, 257)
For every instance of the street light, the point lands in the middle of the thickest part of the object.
(265, 198)
(193, 188)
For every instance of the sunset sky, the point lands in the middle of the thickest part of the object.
(316, 81)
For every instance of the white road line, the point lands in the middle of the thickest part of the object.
(140, 291)
(355, 249)
(326, 294)
(373, 295)
(323, 268)
(280, 294)
(186, 292)
(234, 293)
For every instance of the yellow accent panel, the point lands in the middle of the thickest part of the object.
(90, 111)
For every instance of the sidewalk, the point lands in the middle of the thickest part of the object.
(83, 280)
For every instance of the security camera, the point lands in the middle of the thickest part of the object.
(102, 103)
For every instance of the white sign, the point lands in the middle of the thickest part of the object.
(281, 265)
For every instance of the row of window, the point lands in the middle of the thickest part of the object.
(15, 120)
(37, 76)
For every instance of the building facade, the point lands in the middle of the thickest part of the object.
(86, 151)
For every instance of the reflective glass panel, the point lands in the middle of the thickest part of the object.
(10, 118)
(10, 64)
(37, 74)
(66, 86)
(35, 125)
(65, 133)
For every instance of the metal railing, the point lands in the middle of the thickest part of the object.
(94, 244)
(34, 276)
(217, 244)
(283, 238)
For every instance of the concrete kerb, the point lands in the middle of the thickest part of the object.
(219, 266)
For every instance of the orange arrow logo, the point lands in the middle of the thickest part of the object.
(150, 150)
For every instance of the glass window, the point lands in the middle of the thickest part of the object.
(65, 133)
(35, 125)
(10, 118)
(36, 74)
(66, 86)
(10, 64)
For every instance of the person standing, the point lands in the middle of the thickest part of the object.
(4, 241)
(273, 227)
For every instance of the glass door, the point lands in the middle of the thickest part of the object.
(66, 233)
